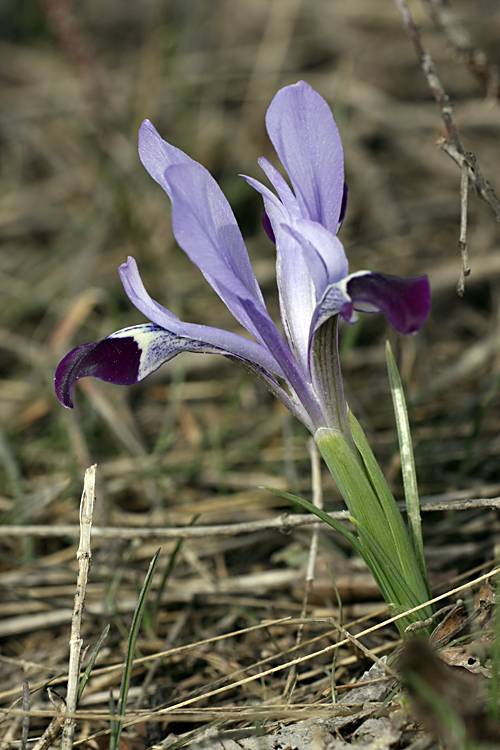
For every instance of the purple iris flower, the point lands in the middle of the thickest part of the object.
(314, 284)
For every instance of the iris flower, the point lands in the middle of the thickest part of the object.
(300, 364)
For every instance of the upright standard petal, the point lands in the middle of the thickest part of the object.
(157, 155)
(205, 228)
(302, 130)
(204, 225)
(304, 223)
(294, 276)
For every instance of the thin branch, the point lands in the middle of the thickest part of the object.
(474, 173)
(456, 500)
(431, 76)
(53, 731)
(452, 143)
(476, 59)
(462, 242)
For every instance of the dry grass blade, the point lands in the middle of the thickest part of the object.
(26, 717)
(199, 436)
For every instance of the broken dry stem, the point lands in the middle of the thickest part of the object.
(84, 557)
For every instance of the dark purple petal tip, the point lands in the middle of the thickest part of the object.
(113, 360)
(343, 206)
(405, 303)
(268, 227)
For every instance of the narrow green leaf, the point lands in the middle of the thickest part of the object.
(306, 505)
(412, 572)
(393, 585)
(381, 527)
(398, 595)
(90, 665)
(494, 689)
(170, 567)
(129, 656)
(112, 711)
(407, 460)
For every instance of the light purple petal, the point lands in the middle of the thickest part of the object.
(335, 301)
(205, 228)
(303, 132)
(203, 222)
(297, 294)
(225, 340)
(277, 212)
(296, 288)
(157, 155)
(325, 253)
(281, 186)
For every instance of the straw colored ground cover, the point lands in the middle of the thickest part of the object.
(190, 446)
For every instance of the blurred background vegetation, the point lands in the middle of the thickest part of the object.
(199, 436)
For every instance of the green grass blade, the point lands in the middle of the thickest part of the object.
(370, 501)
(407, 460)
(306, 505)
(397, 592)
(494, 689)
(129, 656)
(112, 713)
(170, 567)
(90, 666)
(356, 484)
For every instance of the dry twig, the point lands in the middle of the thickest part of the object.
(452, 143)
(84, 557)
(486, 72)
(456, 500)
